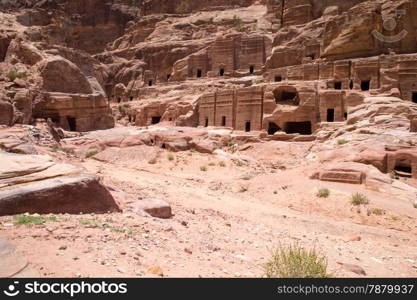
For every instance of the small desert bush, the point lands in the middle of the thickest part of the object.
(203, 169)
(323, 193)
(35, 220)
(393, 175)
(342, 142)
(13, 74)
(152, 161)
(378, 211)
(359, 199)
(91, 153)
(171, 157)
(212, 164)
(55, 149)
(295, 262)
(415, 205)
(222, 164)
(243, 189)
(239, 163)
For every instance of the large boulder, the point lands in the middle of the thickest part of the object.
(22, 103)
(6, 113)
(61, 75)
(36, 184)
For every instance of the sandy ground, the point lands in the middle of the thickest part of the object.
(226, 220)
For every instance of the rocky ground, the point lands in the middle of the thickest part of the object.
(230, 207)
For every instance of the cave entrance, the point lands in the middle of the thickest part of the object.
(345, 115)
(56, 120)
(312, 56)
(278, 78)
(338, 85)
(330, 115)
(119, 100)
(365, 85)
(303, 128)
(414, 97)
(131, 98)
(206, 123)
(168, 77)
(351, 85)
(156, 120)
(150, 83)
(221, 72)
(273, 128)
(403, 169)
(224, 121)
(199, 73)
(72, 123)
(251, 69)
(286, 95)
(248, 126)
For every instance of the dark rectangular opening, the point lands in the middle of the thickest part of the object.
(221, 72)
(273, 128)
(365, 85)
(56, 120)
(288, 96)
(278, 78)
(251, 69)
(312, 56)
(345, 115)
(168, 76)
(223, 121)
(414, 97)
(299, 127)
(131, 98)
(199, 73)
(330, 115)
(72, 123)
(247, 126)
(403, 171)
(156, 120)
(206, 123)
(150, 83)
(338, 85)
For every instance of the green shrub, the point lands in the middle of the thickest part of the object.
(183, 7)
(171, 157)
(239, 27)
(203, 168)
(342, 142)
(222, 164)
(152, 161)
(35, 220)
(91, 153)
(323, 193)
(13, 74)
(295, 262)
(359, 199)
(393, 175)
(378, 211)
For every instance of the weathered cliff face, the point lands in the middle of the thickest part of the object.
(254, 64)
